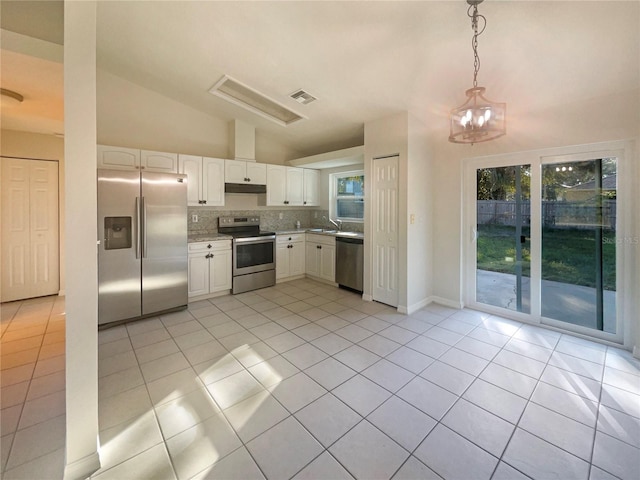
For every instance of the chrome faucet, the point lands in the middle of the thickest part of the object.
(337, 223)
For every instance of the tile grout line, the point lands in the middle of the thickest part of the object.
(24, 403)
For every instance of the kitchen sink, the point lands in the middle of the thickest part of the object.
(320, 230)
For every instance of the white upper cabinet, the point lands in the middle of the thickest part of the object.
(257, 173)
(132, 159)
(118, 157)
(205, 179)
(292, 186)
(239, 171)
(191, 166)
(276, 185)
(213, 181)
(311, 186)
(295, 186)
(285, 185)
(159, 161)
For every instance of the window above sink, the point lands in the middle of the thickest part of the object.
(347, 196)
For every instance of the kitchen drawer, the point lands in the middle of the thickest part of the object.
(204, 246)
(288, 238)
(321, 239)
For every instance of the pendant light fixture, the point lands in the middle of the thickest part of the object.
(478, 119)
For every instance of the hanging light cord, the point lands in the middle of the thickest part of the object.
(475, 16)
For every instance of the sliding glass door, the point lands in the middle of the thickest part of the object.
(503, 253)
(579, 243)
(546, 241)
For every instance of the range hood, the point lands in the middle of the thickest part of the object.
(244, 188)
(242, 146)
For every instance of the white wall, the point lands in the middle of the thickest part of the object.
(403, 135)
(614, 117)
(419, 204)
(385, 137)
(130, 115)
(45, 147)
(81, 454)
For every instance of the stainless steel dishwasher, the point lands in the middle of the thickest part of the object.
(349, 262)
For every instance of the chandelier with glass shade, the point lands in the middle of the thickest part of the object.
(478, 119)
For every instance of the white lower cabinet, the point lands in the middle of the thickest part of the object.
(209, 267)
(290, 256)
(320, 258)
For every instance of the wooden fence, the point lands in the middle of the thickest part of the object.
(554, 214)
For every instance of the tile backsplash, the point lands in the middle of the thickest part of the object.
(269, 219)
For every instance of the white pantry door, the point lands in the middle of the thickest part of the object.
(385, 230)
(30, 253)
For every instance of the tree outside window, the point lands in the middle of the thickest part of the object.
(348, 201)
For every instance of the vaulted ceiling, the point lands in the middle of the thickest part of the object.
(364, 60)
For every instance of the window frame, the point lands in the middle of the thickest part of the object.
(334, 197)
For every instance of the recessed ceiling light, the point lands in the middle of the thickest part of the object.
(246, 97)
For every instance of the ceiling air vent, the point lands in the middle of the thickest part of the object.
(246, 97)
(303, 97)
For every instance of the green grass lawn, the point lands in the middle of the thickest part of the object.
(568, 255)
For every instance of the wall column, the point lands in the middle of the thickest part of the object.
(81, 262)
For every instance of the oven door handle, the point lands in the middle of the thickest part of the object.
(249, 240)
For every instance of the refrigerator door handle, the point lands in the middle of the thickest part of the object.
(138, 227)
(144, 227)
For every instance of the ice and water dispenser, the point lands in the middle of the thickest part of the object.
(117, 233)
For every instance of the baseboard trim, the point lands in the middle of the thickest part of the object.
(367, 298)
(445, 302)
(83, 468)
(418, 305)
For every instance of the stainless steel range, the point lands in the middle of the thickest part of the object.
(254, 253)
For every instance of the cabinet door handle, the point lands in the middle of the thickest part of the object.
(318, 246)
(289, 238)
(204, 202)
(209, 246)
(304, 203)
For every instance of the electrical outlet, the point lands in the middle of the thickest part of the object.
(281, 216)
(412, 218)
(194, 218)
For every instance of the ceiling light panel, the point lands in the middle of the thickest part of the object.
(246, 97)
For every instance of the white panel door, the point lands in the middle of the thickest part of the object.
(385, 230)
(30, 252)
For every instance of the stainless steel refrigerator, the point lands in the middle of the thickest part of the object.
(142, 254)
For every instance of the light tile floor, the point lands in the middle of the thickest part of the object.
(306, 381)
